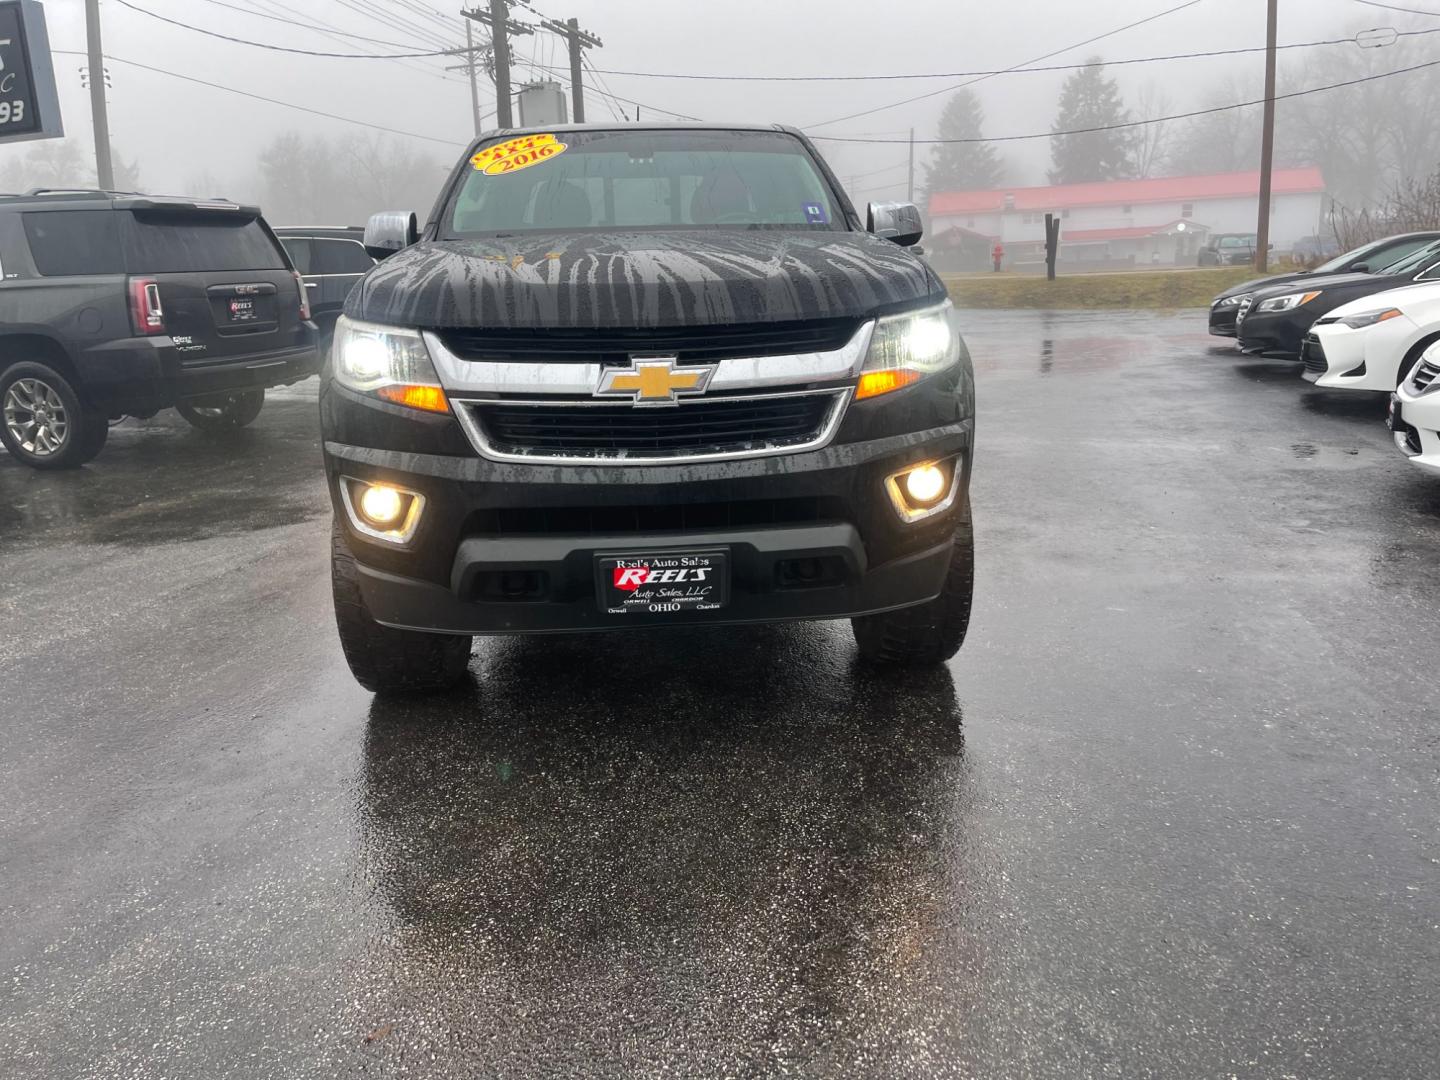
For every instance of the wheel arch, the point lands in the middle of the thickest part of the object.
(18, 346)
(1412, 354)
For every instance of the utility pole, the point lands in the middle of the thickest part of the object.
(910, 196)
(501, 27)
(1267, 142)
(576, 39)
(104, 169)
(472, 68)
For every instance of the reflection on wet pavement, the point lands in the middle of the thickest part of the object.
(1170, 813)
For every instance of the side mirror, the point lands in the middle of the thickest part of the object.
(1360, 268)
(895, 221)
(390, 231)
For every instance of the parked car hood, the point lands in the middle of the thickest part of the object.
(682, 278)
(1327, 282)
(1406, 297)
(1263, 283)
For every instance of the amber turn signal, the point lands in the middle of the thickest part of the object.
(429, 398)
(874, 383)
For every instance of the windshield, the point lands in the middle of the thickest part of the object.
(680, 179)
(1414, 261)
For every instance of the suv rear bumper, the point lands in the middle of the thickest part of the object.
(142, 374)
(827, 509)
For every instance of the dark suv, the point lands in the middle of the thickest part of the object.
(645, 376)
(117, 304)
(331, 258)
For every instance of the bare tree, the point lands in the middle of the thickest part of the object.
(1152, 141)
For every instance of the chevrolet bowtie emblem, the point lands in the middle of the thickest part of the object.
(655, 381)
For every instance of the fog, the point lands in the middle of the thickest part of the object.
(179, 134)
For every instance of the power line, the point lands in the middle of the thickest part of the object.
(272, 101)
(1392, 7)
(1142, 123)
(1001, 71)
(1022, 63)
(277, 48)
(318, 28)
(328, 30)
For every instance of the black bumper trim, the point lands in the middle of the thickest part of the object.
(411, 604)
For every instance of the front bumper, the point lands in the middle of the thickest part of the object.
(1222, 320)
(1415, 423)
(1341, 358)
(548, 523)
(758, 560)
(1275, 333)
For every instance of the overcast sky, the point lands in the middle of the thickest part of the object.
(180, 130)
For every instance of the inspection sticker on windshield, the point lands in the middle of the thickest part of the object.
(518, 153)
(663, 584)
(815, 213)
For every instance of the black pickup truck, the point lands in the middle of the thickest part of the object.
(114, 304)
(643, 376)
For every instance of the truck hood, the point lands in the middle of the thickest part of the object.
(682, 278)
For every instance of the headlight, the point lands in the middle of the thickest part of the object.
(1370, 318)
(1226, 301)
(906, 348)
(1287, 302)
(387, 361)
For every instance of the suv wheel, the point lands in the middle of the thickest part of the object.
(223, 412)
(43, 422)
(928, 633)
(383, 660)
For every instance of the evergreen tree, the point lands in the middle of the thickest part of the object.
(1089, 100)
(966, 166)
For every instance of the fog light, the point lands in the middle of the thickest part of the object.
(922, 491)
(381, 511)
(924, 485)
(382, 505)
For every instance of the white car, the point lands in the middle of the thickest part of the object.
(1371, 343)
(1415, 413)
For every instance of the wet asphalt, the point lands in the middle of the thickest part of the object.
(1172, 812)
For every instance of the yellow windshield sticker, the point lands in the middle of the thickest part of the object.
(519, 153)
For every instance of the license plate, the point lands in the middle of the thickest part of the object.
(663, 583)
(242, 310)
(1393, 413)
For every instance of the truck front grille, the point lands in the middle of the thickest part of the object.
(706, 428)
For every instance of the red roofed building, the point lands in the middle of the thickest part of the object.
(1130, 222)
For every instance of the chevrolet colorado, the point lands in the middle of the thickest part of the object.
(643, 376)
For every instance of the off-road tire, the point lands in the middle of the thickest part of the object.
(383, 660)
(87, 427)
(223, 412)
(928, 633)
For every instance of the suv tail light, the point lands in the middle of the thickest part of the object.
(304, 296)
(145, 311)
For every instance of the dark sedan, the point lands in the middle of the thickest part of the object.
(1369, 258)
(1273, 320)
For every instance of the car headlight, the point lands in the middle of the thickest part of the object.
(906, 348)
(1226, 301)
(390, 362)
(1288, 302)
(1370, 318)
